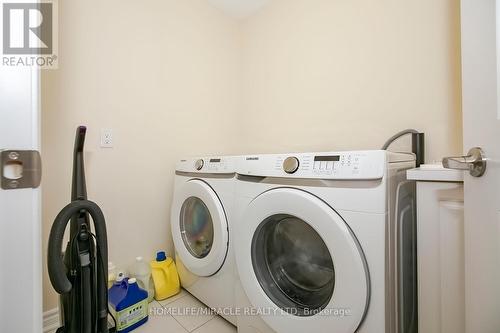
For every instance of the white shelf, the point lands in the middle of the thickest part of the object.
(435, 173)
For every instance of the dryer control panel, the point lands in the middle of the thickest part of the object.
(331, 165)
(208, 165)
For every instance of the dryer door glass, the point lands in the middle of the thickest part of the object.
(293, 265)
(197, 228)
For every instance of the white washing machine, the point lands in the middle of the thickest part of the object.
(202, 212)
(325, 242)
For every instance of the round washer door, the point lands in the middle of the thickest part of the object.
(199, 228)
(299, 261)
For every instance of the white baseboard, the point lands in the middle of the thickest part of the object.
(51, 321)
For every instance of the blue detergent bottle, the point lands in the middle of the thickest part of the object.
(129, 304)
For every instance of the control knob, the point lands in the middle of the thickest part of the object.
(291, 164)
(199, 164)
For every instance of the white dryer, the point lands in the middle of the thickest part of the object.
(202, 213)
(325, 242)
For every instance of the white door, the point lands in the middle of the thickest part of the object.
(298, 260)
(20, 216)
(481, 120)
(199, 228)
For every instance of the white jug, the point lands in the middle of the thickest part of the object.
(141, 271)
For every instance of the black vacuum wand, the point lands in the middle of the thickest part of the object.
(80, 276)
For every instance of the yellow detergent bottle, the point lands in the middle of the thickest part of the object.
(165, 277)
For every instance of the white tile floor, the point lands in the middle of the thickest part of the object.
(183, 313)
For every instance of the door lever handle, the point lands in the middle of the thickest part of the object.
(474, 162)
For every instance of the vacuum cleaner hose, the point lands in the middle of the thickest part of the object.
(56, 267)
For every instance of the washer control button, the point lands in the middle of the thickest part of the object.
(291, 164)
(199, 164)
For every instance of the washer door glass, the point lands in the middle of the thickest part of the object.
(197, 228)
(293, 265)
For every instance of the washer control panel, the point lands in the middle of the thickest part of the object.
(341, 165)
(217, 165)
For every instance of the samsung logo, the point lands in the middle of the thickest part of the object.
(252, 158)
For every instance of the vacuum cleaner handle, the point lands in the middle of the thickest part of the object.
(56, 267)
(78, 188)
(80, 139)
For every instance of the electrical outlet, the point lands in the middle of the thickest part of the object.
(106, 138)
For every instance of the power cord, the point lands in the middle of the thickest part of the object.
(397, 136)
(417, 144)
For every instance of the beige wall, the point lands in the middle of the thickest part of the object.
(337, 74)
(163, 75)
(177, 77)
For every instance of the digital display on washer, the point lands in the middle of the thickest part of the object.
(334, 158)
(215, 160)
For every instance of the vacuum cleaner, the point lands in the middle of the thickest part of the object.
(80, 274)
